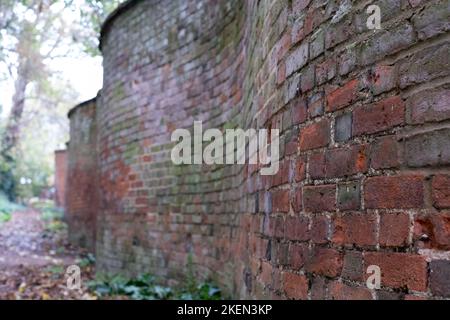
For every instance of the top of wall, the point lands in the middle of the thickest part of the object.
(123, 7)
(83, 104)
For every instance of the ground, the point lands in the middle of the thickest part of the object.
(34, 259)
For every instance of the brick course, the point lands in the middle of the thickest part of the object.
(364, 124)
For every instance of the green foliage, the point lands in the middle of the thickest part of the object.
(87, 260)
(35, 34)
(146, 287)
(52, 216)
(92, 15)
(7, 179)
(55, 269)
(7, 208)
(4, 217)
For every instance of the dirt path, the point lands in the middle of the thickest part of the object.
(33, 260)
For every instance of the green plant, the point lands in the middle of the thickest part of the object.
(140, 288)
(202, 291)
(145, 287)
(4, 217)
(87, 260)
(55, 226)
(55, 269)
(7, 208)
(52, 214)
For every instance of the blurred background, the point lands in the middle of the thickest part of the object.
(49, 61)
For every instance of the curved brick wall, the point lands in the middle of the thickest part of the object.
(364, 121)
(81, 198)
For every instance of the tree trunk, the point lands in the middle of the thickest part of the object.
(11, 135)
(12, 131)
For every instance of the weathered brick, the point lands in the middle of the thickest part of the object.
(291, 145)
(297, 200)
(326, 262)
(315, 135)
(399, 270)
(325, 71)
(317, 44)
(280, 201)
(424, 66)
(284, 45)
(440, 278)
(81, 190)
(429, 106)
(266, 273)
(347, 61)
(319, 198)
(339, 162)
(268, 68)
(319, 229)
(307, 79)
(298, 255)
(297, 228)
(317, 164)
(316, 105)
(386, 42)
(382, 78)
(338, 33)
(299, 5)
(298, 30)
(433, 20)
(349, 196)
(318, 288)
(299, 111)
(343, 96)
(379, 116)
(394, 229)
(279, 253)
(433, 230)
(275, 227)
(282, 176)
(293, 88)
(281, 73)
(428, 149)
(441, 191)
(415, 3)
(295, 286)
(343, 127)
(297, 59)
(340, 291)
(355, 229)
(300, 169)
(384, 153)
(399, 192)
(353, 266)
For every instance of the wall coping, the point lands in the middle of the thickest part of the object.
(80, 105)
(106, 25)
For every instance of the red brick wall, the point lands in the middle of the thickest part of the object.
(60, 177)
(82, 200)
(364, 122)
